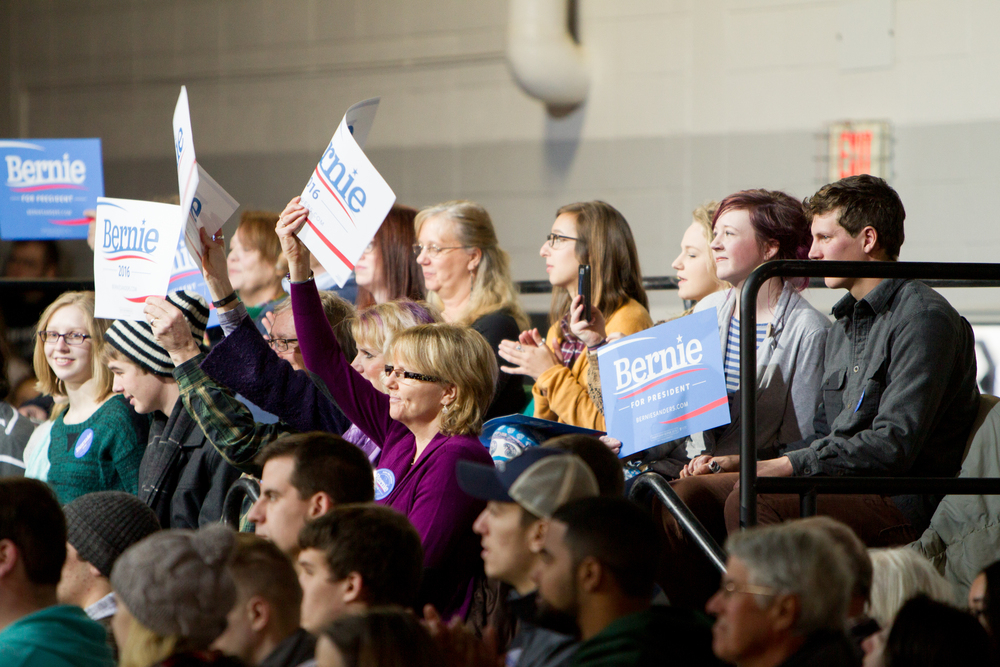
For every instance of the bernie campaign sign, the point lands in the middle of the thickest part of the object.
(49, 184)
(664, 383)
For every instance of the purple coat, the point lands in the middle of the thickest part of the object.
(426, 491)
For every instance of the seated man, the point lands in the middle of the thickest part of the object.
(356, 557)
(263, 626)
(783, 600)
(304, 476)
(899, 395)
(595, 576)
(520, 500)
(34, 628)
(100, 526)
(181, 476)
(277, 373)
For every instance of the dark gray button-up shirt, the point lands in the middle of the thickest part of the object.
(899, 387)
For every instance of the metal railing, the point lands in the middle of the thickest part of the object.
(232, 506)
(935, 274)
(689, 523)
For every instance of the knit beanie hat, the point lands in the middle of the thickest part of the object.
(102, 525)
(134, 338)
(176, 582)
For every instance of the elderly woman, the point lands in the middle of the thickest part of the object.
(440, 380)
(467, 277)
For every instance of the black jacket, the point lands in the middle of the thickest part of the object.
(182, 477)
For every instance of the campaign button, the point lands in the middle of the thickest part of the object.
(83, 443)
(385, 482)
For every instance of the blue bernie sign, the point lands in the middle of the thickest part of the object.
(48, 185)
(186, 275)
(664, 383)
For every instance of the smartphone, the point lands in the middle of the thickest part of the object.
(583, 288)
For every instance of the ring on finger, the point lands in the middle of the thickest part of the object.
(518, 348)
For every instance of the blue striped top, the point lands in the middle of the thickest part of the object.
(731, 363)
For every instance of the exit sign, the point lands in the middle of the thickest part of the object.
(858, 148)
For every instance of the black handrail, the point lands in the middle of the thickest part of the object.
(931, 273)
(685, 517)
(232, 506)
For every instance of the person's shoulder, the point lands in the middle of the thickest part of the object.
(806, 314)
(495, 318)
(466, 448)
(713, 300)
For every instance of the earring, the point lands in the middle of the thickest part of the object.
(444, 409)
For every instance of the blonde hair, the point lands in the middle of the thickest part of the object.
(703, 216)
(459, 356)
(256, 230)
(899, 574)
(492, 287)
(375, 325)
(48, 383)
(144, 648)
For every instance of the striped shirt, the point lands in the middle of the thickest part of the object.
(732, 361)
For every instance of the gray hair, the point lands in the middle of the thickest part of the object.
(802, 562)
(899, 574)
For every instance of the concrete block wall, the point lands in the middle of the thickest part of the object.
(690, 100)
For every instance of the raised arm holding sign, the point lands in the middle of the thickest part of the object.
(347, 199)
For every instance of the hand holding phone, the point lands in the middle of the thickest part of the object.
(583, 288)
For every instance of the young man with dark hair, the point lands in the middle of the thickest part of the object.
(181, 476)
(304, 476)
(520, 500)
(596, 575)
(899, 394)
(263, 626)
(100, 526)
(356, 557)
(34, 628)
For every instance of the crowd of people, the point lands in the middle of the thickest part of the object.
(391, 529)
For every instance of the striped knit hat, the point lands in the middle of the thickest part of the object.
(135, 339)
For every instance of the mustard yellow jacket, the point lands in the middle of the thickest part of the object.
(561, 393)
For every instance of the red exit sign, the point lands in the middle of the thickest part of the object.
(858, 148)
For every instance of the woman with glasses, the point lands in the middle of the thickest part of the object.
(440, 380)
(467, 277)
(97, 440)
(596, 234)
(387, 270)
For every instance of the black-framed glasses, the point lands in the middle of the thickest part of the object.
(728, 588)
(555, 239)
(435, 250)
(71, 338)
(409, 375)
(280, 344)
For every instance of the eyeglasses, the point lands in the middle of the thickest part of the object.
(71, 338)
(370, 248)
(728, 588)
(554, 240)
(409, 375)
(434, 250)
(280, 344)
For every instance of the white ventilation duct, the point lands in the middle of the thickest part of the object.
(543, 57)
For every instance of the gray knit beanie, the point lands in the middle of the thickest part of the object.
(175, 582)
(102, 525)
(135, 339)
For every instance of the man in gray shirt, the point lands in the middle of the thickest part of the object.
(899, 392)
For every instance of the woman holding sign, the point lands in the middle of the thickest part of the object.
(440, 380)
(587, 233)
(97, 441)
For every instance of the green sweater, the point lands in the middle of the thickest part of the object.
(659, 635)
(99, 454)
(59, 636)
